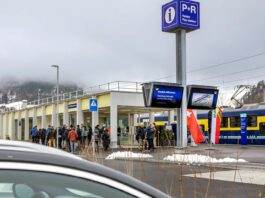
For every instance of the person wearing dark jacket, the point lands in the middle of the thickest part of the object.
(150, 132)
(89, 135)
(105, 139)
(43, 136)
(140, 136)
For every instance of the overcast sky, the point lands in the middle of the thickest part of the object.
(98, 41)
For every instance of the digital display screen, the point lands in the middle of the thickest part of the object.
(202, 98)
(166, 96)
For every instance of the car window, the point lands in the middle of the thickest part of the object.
(23, 184)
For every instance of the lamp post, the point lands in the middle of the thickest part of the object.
(57, 105)
(39, 92)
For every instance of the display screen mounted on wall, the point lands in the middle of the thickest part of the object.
(162, 95)
(202, 97)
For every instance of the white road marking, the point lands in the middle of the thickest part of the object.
(241, 176)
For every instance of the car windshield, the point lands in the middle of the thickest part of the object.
(30, 184)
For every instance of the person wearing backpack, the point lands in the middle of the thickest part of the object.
(72, 136)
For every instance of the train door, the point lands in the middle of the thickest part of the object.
(262, 128)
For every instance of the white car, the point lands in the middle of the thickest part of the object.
(33, 171)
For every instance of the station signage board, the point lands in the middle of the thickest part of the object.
(72, 106)
(162, 95)
(180, 14)
(93, 105)
(243, 124)
(202, 97)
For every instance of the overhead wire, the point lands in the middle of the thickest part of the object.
(217, 65)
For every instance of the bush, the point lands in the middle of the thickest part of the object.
(166, 137)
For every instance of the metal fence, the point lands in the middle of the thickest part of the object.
(122, 86)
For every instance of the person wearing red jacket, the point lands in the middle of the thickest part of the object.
(72, 136)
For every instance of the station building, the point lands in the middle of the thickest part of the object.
(119, 104)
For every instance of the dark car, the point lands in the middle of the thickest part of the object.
(34, 171)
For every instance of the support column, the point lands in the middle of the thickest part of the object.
(95, 121)
(19, 135)
(79, 113)
(43, 117)
(171, 115)
(12, 126)
(113, 125)
(65, 114)
(26, 133)
(6, 126)
(34, 117)
(181, 79)
(54, 118)
(135, 119)
(151, 117)
(1, 126)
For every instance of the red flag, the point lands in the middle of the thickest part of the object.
(194, 127)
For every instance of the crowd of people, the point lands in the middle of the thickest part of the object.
(146, 137)
(70, 137)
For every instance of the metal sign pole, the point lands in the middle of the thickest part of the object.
(181, 79)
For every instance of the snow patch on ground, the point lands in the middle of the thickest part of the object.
(195, 158)
(127, 154)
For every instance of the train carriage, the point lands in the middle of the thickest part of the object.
(230, 125)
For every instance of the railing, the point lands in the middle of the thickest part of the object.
(120, 86)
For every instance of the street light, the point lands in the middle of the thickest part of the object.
(57, 101)
(39, 92)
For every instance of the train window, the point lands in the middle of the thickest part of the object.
(224, 122)
(262, 127)
(252, 121)
(235, 121)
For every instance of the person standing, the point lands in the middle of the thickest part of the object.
(150, 136)
(72, 136)
(43, 136)
(105, 139)
(89, 135)
(140, 136)
(119, 135)
(47, 135)
(51, 137)
(33, 134)
(83, 136)
(64, 133)
(96, 136)
(60, 137)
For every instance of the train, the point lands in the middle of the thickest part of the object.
(230, 132)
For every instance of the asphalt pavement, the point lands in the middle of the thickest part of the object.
(200, 180)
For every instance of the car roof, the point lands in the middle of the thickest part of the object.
(17, 151)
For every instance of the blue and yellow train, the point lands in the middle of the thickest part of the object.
(230, 125)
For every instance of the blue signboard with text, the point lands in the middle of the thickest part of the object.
(166, 96)
(243, 119)
(93, 104)
(180, 14)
